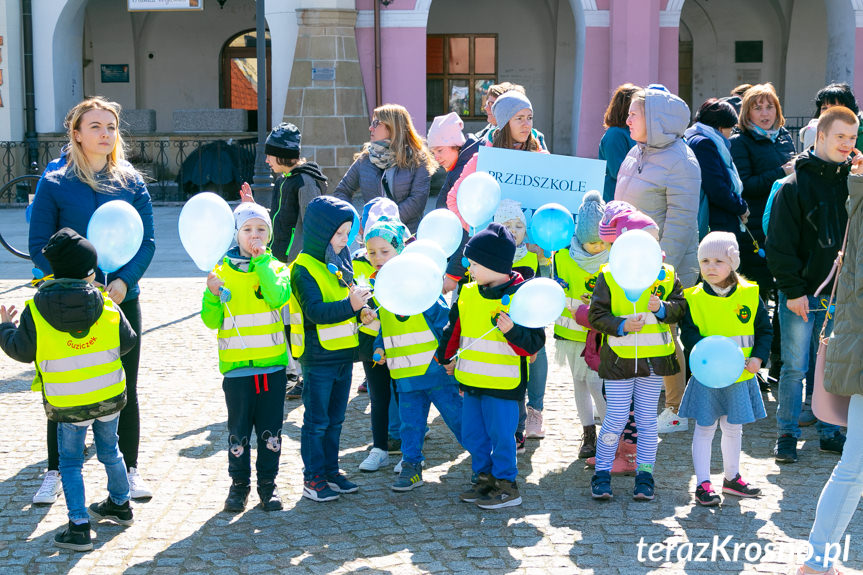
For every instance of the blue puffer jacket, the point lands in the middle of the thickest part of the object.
(323, 217)
(62, 200)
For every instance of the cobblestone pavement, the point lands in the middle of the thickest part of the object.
(558, 529)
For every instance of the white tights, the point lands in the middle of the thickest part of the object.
(702, 442)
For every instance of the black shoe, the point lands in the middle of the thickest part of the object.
(763, 384)
(294, 391)
(269, 497)
(705, 496)
(786, 449)
(238, 494)
(120, 514)
(833, 444)
(739, 487)
(74, 537)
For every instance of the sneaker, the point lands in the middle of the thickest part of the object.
(340, 484)
(669, 422)
(269, 495)
(49, 490)
(394, 445)
(533, 425)
(739, 487)
(519, 443)
(375, 460)
(363, 387)
(600, 485)
(137, 486)
(481, 487)
(806, 418)
(504, 493)
(411, 476)
(398, 466)
(705, 496)
(238, 494)
(644, 487)
(785, 450)
(832, 444)
(107, 509)
(74, 537)
(294, 391)
(318, 490)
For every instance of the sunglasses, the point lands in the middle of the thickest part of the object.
(375, 123)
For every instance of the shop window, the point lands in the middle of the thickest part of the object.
(459, 70)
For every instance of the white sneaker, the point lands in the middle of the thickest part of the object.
(533, 425)
(376, 459)
(49, 490)
(669, 422)
(398, 467)
(137, 486)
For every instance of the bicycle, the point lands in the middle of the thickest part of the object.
(23, 188)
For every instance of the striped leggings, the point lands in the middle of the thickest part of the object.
(619, 394)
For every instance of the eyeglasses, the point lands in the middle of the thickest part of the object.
(375, 123)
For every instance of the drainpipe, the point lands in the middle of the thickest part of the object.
(29, 88)
(378, 101)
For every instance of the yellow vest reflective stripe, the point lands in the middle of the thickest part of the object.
(252, 329)
(529, 260)
(654, 340)
(732, 316)
(490, 363)
(579, 282)
(334, 336)
(77, 372)
(410, 345)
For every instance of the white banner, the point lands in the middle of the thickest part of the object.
(165, 5)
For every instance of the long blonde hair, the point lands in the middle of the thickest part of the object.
(406, 144)
(118, 170)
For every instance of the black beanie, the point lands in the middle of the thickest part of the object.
(493, 248)
(70, 255)
(284, 142)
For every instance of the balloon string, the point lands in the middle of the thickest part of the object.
(472, 344)
(635, 310)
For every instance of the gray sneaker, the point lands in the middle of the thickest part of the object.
(504, 493)
(411, 476)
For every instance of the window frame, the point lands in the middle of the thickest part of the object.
(471, 77)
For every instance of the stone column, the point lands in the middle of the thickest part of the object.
(326, 99)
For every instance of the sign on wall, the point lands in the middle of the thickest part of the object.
(114, 73)
(174, 5)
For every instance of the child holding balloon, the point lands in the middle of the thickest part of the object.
(723, 304)
(637, 349)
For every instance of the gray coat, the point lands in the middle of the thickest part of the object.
(662, 178)
(843, 371)
(409, 189)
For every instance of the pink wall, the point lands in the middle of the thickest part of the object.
(858, 61)
(634, 42)
(669, 52)
(594, 91)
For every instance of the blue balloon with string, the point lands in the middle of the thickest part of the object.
(717, 361)
(355, 226)
(552, 227)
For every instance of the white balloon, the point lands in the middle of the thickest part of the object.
(443, 228)
(116, 231)
(430, 249)
(206, 229)
(408, 284)
(635, 261)
(478, 197)
(538, 303)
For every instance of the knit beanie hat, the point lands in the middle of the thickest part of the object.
(392, 231)
(621, 217)
(246, 211)
(284, 142)
(446, 131)
(590, 213)
(722, 246)
(378, 208)
(71, 255)
(508, 105)
(508, 210)
(493, 248)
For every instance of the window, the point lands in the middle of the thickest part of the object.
(748, 52)
(459, 70)
(239, 75)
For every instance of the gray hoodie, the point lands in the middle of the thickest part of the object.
(663, 180)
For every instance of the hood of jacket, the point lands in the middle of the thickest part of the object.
(310, 169)
(323, 217)
(666, 116)
(69, 305)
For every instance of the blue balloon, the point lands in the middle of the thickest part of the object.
(206, 228)
(376, 357)
(116, 231)
(443, 228)
(537, 303)
(716, 361)
(408, 284)
(355, 226)
(552, 227)
(477, 198)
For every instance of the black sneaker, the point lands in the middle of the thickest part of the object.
(294, 391)
(238, 494)
(786, 449)
(739, 487)
(705, 496)
(833, 444)
(269, 495)
(74, 537)
(120, 514)
(519, 442)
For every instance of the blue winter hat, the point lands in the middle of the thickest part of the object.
(493, 248)
(284, 142)
(508, 105)
(590, 213)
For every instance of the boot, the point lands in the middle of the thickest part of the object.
(588, 444)
(624, 459)
(269, 496)
(237, 497)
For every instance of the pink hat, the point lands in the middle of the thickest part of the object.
(621, 217)
(446, 131)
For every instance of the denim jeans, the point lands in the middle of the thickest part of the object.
(840, 495)
(537, 376)
(414, 413)
(325, 396)
(70, 442)
(488, 433)
(799, 342)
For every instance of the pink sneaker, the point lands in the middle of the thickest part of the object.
(533, 426)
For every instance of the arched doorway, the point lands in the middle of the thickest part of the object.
(238, 77)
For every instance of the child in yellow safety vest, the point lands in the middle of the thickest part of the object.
(76, 335)
(244, 294)
(637, 350)
(724, 304)
(405, 347)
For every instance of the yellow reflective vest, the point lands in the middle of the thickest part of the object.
(732, 316)
(579, 282)
(490, 362)
(529, 260)
(410, 344)
(654, 340)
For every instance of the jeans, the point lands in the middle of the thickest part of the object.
(414, 413)
(840, 495)
(325, 396)
(488, 433)
(70, 443)
(255, 401)
(799, 342)
(395, 425)
(537, 376)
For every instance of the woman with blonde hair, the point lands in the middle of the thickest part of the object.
(394, 164)
(92, 172)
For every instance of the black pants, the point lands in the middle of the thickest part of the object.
(381, 386)
(129, 426)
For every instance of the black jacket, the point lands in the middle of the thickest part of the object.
(807, 224)
(293, 192)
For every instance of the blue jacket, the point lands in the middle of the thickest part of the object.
(62, 200)
(613, 147)
(324, 215)
(726, 206)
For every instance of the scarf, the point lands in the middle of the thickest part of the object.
(724, 147)
(342, 261)
(237, 260)
(381, 155)
(769, 134)
(720, 292)
(588, 262)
